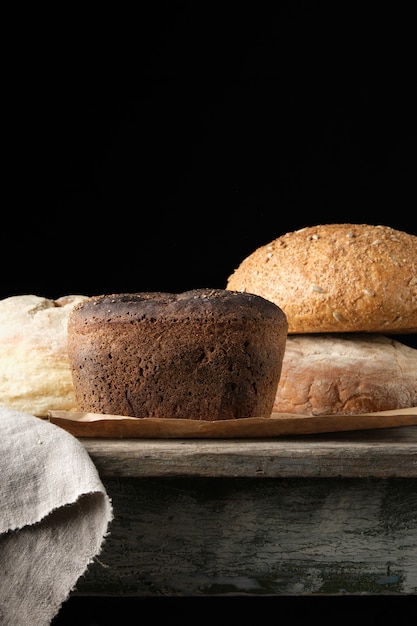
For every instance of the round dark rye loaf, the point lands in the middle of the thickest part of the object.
(205, 354)
(337, 278)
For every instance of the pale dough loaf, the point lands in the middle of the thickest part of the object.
(346, 374)
(337, 278)
(35, 374)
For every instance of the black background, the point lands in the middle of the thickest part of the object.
(153, 148)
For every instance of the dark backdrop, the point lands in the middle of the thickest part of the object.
(154, 150)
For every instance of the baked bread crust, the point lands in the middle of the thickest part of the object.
(337, 278)
(204, 354)
(35, 374)
(338, 374)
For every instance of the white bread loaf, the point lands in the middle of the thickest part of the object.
(348, 374)
(337, 278)
(35, 374)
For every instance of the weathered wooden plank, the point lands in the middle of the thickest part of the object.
(219, 537)
(390, 453)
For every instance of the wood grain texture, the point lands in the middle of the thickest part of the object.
(324, 514)
(197, 537)
(385, 453)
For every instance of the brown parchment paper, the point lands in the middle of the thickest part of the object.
(278, 424)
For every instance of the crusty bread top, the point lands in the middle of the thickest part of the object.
(337, 278)
(196, 305)
(346, 373)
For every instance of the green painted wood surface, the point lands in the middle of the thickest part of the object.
(251, 536)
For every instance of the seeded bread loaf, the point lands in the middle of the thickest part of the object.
(335, 374)
(337, 278)
(35, 374)
(205, 354)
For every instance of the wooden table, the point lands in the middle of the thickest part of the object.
(313, 514)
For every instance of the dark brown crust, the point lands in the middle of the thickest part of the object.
(200, 303)
(204, 354)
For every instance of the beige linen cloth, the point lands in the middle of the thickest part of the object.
(54, 517)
